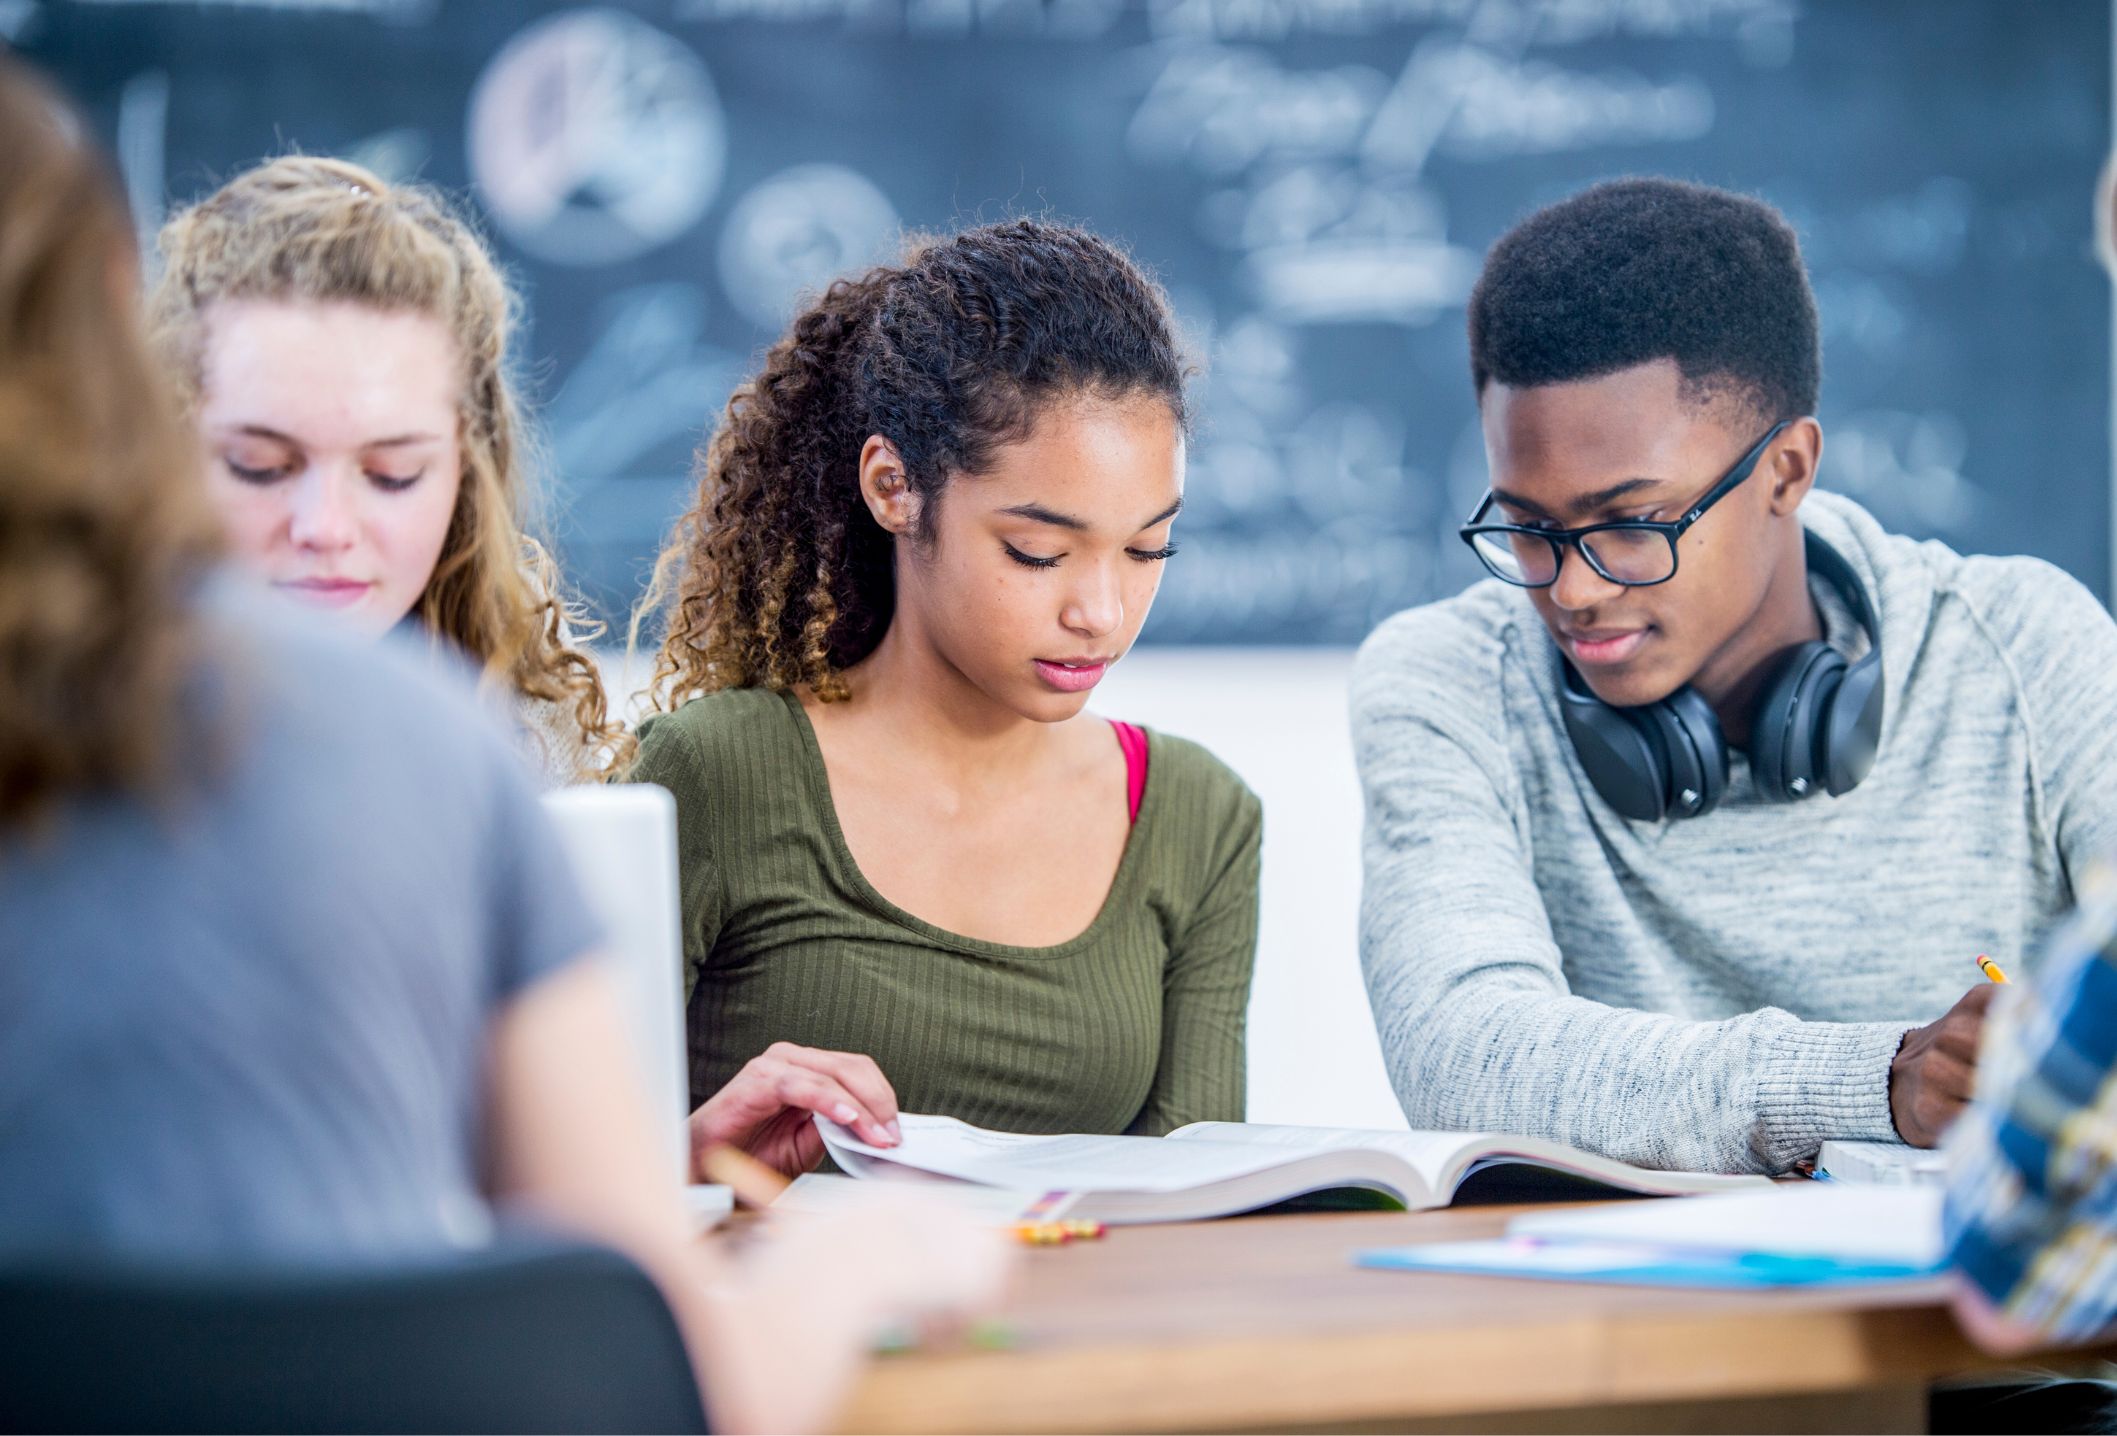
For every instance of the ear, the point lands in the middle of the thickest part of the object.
(885, 487)
(1792, 463)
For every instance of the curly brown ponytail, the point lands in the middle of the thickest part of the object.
(777, 576)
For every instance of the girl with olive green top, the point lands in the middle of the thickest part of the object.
(1135, 1025)
(923, 534)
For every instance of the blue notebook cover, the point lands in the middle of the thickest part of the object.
(1634, 1265)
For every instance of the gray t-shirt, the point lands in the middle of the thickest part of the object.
(254, 1022)
(1727, 992)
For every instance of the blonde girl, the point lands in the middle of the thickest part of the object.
(341, 344)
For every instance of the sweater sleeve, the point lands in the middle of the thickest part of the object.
(1201, 1076)
(1478, 1027)
(2061, 646)
(670, 756)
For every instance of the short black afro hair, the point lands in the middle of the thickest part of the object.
(1635, 270)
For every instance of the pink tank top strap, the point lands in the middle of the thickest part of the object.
(1133, 740)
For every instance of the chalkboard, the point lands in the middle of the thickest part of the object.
(1314, 180)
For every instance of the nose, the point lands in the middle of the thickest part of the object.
(1578, 586)
(1096, 606)
(322, 511)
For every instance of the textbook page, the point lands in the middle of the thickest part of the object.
(1039, 1164)
(1430, 1154)
(1444, 1159)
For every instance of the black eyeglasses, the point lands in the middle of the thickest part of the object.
(1637, 553)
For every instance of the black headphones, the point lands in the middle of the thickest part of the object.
(1817, 725)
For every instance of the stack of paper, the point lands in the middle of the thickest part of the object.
(1805, 1234)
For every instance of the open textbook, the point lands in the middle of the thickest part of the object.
(1216, 1169)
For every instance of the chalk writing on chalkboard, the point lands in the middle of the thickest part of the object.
(1315, 181)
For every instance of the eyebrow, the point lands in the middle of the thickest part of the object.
(1585, 504)
(395, 441)
(1038, 514)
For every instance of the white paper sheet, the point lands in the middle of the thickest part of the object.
(1794, 1219)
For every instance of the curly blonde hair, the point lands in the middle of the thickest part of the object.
(104, 534)
(778, 576)
(308, 229)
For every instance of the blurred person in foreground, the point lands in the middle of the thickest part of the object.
(2031, 1214)
(291, 967)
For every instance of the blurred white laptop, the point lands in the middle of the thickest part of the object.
(622, 839)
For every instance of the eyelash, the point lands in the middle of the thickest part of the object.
(388, 483)
(1167, 551)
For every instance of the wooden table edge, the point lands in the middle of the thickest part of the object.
(1365, 1376)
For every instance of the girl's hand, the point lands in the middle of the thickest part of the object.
(765, 1108)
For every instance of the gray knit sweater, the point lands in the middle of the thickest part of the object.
(1723, 993)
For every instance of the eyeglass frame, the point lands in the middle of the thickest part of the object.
(1670, 529)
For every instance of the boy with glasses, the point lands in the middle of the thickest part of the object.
(1683, 837)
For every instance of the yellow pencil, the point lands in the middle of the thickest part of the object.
(754, 1183)
(1990, 968)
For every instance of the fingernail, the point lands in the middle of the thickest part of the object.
(845, 1116)
(896, 1133)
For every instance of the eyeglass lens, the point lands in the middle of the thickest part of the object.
(1632, 556)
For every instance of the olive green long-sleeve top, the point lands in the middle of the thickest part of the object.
(1136, 1025)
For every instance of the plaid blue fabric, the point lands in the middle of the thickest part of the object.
(2031, 1211)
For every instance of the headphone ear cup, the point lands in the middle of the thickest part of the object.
(1785, 748)
(1616, 751)
(1852, 726)
(1696, 766)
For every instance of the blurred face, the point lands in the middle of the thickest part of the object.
(331, 450)
(1630, 446)
(1040, 572)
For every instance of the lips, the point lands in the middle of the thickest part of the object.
(1076, 675)
(326, 592)
(1603, 646)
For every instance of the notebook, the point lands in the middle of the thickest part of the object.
(1801, 1234)
(1634, 1264)
(1898, 1225)
(1217, 1169)
(1882, 1163)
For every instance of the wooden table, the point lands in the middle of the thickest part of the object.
(1264, 1323)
